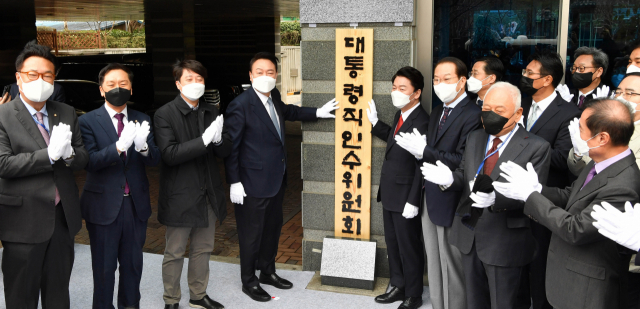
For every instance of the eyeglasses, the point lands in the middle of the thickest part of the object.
(447, 80)
(529, 73)
(627, 94)
(580, 69)
(47, 77)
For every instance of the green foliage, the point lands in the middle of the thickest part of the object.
(116, 33)
(286, 26)
(126, 42)
(290, 33)
(44, 28)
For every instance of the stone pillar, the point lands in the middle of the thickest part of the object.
(392, 21)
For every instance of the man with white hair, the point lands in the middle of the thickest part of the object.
(496, 243)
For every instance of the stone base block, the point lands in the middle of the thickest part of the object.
(348, 263)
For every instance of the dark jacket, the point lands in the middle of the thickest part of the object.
(28, 180)
(189, 171)
(401, 178)
(259, 157)
(448, 146)
(107, 173)
(584, 268)
(576, 95)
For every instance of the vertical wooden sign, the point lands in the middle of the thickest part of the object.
(354, 89)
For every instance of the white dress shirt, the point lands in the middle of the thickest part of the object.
(453, 104)
(406, 114)
(586, 94)
(542, 106)
(45, 119)
(264, 99)
(112, 114)
(504, 140)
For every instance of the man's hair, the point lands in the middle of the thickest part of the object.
(111, 67)
(461, 68)
(600, 59)
(191, 65)
(512, 90)
(550, 65)
(413, 75)
(263, 55)
(636, 74)
(493, 66)
(32, 49)
(610, 116)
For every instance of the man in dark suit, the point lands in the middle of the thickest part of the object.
(500, 243)
(40, 147)
(584, 269)
(449, 126)
(256, 170)
(547, 115)
(588, 69)
(190, 137)
(400, 188)
(115, 201)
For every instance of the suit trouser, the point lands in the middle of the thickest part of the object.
(43, 268)
(532, 288)
(490, 286)
(405, 252)
(259, 222)
(444, 267)
(199, 253)
(120, 243)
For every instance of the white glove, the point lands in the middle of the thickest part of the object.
(564, 92)
(126, 136)
(623, 228)
(410, 211)
(602, 92)
(57, 143)
(142, 132)
(213, 131)
(68, 149)
(372, 114)
(237, 193)
(521, 183)
(580, 146)
(439, 174)
(218, 136)
(414, 142)
(325, 110)
(483, 200)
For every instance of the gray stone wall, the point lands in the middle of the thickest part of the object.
(392, 50)
(354, 11)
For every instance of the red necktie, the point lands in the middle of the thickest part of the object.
(400, 122)
(491, 161)
(120, 116)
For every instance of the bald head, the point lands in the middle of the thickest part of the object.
(505, 93)
(612, 117)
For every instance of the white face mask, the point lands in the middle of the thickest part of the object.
(446, 92)
(400, 99)
(193, 91)
(264, 83)
(633, 69)
(37, 90)
(474, 85)
(586, 146)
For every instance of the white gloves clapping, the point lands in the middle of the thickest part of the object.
(414, 142)
(410, 211)
(214, 132)
(127, 136)
(372, 114)
(142, 132)
(623, 228)
(521, 183)
(602, 92)
(237, 194)
(483, 200)
(60, 142)
(564, 92)
(580, 146)
(325, 110)
(439, 174)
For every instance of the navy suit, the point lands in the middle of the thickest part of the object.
(116, 223)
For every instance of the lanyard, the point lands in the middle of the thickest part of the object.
(498, 149)
(42, 125)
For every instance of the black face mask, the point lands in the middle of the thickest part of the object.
(118, 96)
(582, 80)
(526, 85)
(493, 123)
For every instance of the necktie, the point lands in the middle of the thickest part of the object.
(491, 161)
(581, 101)
(590, 176)
(480, 102)
(124, 153)
(272, 114)
(533, 116)
(400, 122)
(45, 135)
(445, 114)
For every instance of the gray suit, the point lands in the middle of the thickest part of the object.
(502, 242)
(584, 269)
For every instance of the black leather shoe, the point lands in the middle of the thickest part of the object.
(256, 293)
(205, 303)
(411, 303)
(394, 295)
(276, 281)
(172, 306)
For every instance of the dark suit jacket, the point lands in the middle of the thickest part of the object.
(259, 157)
(584, 268)
(448, 146)
(576, 96)
(189, 172)
(58, 94)
(553, 126)
(401, 176)
(107, 173)
(502, 235)
(28, 180)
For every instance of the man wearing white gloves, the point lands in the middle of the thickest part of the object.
(497, 242)
(115, 200)
(191, 136)
(589, 67)
(400, 189)
(584, 268)
(257, 170)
